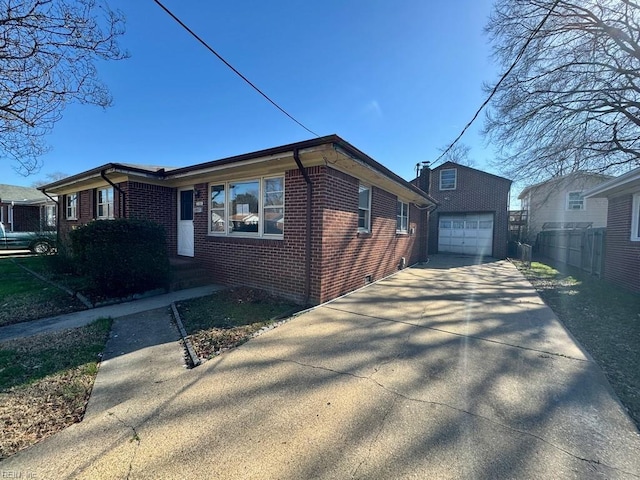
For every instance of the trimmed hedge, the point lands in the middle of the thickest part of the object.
(122, 256)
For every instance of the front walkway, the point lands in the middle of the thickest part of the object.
(455, 370)
(84, 317)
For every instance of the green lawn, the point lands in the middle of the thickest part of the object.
(45, 382)
(229, 317)
(24, 297)
(604, 318)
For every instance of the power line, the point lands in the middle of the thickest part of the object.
(502, 79)
(206, 45)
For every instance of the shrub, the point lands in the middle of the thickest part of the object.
(122, 256)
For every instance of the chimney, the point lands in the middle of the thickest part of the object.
(424, 179)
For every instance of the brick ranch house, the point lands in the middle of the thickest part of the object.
(309, 221)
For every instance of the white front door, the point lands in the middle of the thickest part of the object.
(185, 222)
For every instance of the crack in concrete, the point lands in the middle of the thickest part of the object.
(462, 335)
(590, 462)
(134, 438)
(375, 440)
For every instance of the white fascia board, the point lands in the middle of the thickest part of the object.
(227, 166)
(615, 185)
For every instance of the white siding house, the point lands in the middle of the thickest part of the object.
(559, 203)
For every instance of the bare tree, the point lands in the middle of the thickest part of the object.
(49, 178)
(572, 102)
(48, 54)
(457, 153)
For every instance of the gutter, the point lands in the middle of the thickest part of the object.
(307, 263)
(122, 204)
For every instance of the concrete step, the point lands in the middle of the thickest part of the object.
(187, 273)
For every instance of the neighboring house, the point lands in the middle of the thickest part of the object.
(622, 243)
(309, 221)
(472, 213)
(559, 204)
(26, 209)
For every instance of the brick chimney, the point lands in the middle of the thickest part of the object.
(424, 180)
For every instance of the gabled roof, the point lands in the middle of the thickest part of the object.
(573, 176)
(626, 183)
(360, 162)
(450, 164)
(14, 193)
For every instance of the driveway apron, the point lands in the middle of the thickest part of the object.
(452, 370)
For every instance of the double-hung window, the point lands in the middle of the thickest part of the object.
(71, 206)
(575, 201)
(402, 217)
(364, 208)
(104, 203)
(448, 179)
(635, 219)
(248, 208)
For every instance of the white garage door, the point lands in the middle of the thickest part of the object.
(471, 234)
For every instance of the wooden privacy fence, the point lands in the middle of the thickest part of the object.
(583, 249)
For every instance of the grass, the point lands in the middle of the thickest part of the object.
(45, 383)
(605, 319)
(24, 297)
(229, 318)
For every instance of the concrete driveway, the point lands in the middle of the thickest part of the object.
(454, 370)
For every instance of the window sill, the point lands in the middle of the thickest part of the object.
(222, 236)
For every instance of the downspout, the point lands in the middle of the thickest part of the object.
(307, 265)
(122, 209)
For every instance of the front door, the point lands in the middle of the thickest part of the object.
(185, 222)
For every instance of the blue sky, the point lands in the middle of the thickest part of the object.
(397, 79)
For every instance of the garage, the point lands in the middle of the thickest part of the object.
(470, 234)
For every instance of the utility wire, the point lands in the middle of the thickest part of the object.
(502, 79)
(182, 24)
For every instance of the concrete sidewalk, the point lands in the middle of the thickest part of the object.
(452, 371)
(84, 317)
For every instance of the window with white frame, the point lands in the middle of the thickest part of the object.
(248, 208)
(364, 208)
(50, 215)
(402, 217)
(635, 219)
(575, 201)
(104, 203)
(71, 206)
(448, 179)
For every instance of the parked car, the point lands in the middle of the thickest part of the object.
(37, 242)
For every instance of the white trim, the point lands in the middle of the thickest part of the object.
(635, 218)
(75, 207)
(406, 212)
(227, 204)
(367, 227)
(110, 211)
(567, 201)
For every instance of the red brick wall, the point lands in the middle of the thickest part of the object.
(622, 256)
(277, 266)
(156, 203)
(476, 192)
(85, 210)
(348, 256)
(340, 259)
